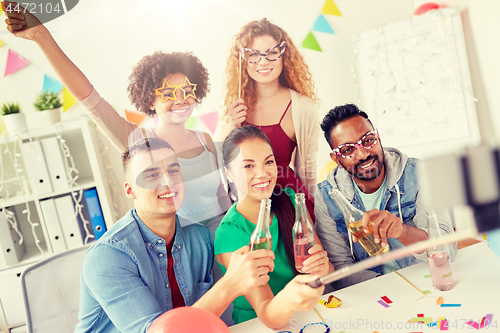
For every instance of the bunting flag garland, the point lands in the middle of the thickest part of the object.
(330, 8)
(210, 120)
(310, 42)
(52, 85)
(1, 43)
(134, 116)
(191, 122)
(322, 25)
(68, 99)
(14, 63)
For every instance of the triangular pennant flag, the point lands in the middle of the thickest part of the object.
(52, 85)
(310, 42)
(134, 116)
(191, 122)
(210, 120)
(330, 8)
(14, 63)
(322, 25)
(1, 43)
(68, 99)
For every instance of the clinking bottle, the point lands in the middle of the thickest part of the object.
(354, 221)
(261, 236)
(303, 232)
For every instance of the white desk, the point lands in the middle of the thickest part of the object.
(477, 273)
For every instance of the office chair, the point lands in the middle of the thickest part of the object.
(51, 292)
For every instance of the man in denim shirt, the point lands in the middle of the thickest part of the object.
(151, 261)
(381, 182)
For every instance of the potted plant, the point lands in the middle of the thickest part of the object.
(13, 118)
(50, 105)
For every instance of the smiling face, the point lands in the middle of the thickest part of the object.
(265, 71)
(367, 164)
(175, 99)
(155, 182)
(253, 171)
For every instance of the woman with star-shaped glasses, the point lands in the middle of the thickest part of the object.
(269, 85)
(165, 86)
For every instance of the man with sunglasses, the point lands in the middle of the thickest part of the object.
(382, 182)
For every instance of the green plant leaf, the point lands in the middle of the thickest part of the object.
(47, 100)
(10, 108)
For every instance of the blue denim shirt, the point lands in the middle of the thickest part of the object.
(124, 282)
(403, 191)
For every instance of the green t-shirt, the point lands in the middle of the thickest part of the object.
(233, 233)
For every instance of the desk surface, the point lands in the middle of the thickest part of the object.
(476, 269)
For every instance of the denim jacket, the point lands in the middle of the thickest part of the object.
(401, 198)
(124, 282)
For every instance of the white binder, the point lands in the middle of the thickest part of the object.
(55, 163)
(53, 226)
(11, 251)
(34, 162)
(70, 223)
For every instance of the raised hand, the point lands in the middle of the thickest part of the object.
(20, 22)
(237, 113)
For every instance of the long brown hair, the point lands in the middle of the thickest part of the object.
(295, 74)
(281, 205)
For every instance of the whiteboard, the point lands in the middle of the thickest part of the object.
(414, 80)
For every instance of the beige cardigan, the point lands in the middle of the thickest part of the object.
(305, 118)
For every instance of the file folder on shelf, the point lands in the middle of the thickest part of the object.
(53, 225)
(11, 251)
(70, 223)
(55, 163)
(36, 167)
(95, 212)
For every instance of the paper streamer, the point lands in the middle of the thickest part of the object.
(52, 85)
(426, 292)
(134, 117)
(310, 42)
(322, 25)
(386, 299)
(450, 305)
(210, 120)
(14, 63)
(68, 99)
(191, 122)
(330, 8)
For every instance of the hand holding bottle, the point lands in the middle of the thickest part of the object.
(317, 263)
(383, 224)
(248, 270)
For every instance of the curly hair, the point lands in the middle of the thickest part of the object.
(295, 74)
(149, 73)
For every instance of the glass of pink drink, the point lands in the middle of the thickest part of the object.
(301, 252)
(440, 269)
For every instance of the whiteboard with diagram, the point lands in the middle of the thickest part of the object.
(414, 80)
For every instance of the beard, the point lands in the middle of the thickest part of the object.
(371, 172)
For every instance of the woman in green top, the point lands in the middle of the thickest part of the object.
(251, 169)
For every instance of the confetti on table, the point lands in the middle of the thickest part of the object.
(450, 305)
(423, 320)
(426, 292)
(443, 326)
(386, 299)
(427, 276)
(420, 315)
(486, 321)
(473, 324)
(384, 304)
(439, 301)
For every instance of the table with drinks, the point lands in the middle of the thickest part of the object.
(390, 304)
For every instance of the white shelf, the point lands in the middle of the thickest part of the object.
(32, 256)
